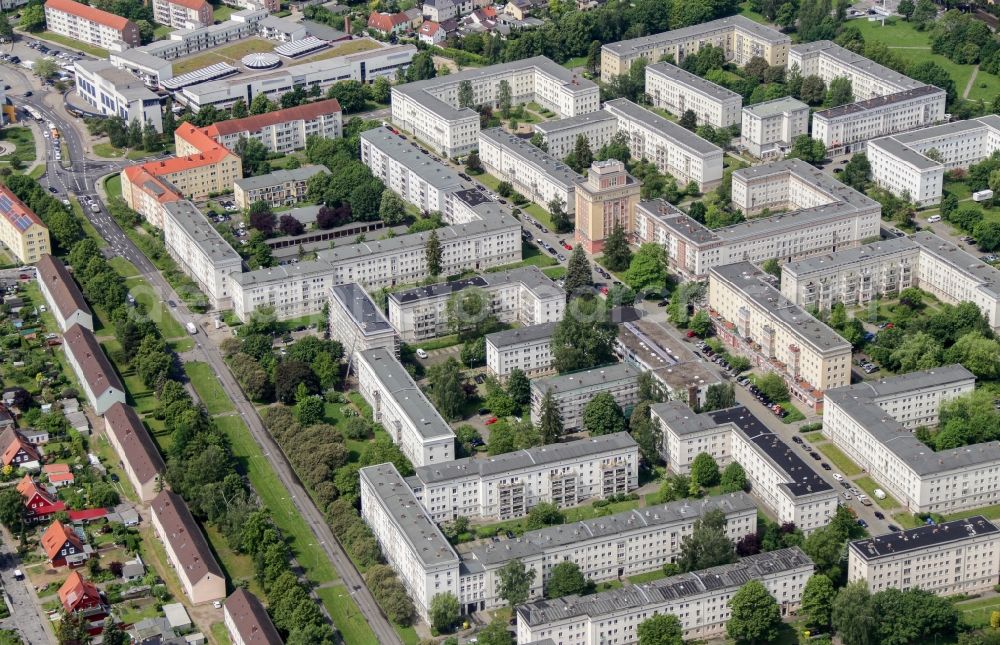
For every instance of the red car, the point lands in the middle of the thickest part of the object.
(604, 290)
(491, 421)
(691, 333)
(568, 247)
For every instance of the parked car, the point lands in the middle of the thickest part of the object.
(879, 515)
(893, 528)
(838, 477)
(863, 524)
(825, 466)
(491, 421)
(690, 333)
(815, 455)
(421, 353)
(799, 440)
(847, 495)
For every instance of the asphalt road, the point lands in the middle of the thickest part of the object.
(26, 615)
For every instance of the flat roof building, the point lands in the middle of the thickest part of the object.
(508, 485)
(357, 322)
(574, 390)
(675, 90)
(115, 92)
(528, 349)
(752, 318)
(700, 600)
(962, 556)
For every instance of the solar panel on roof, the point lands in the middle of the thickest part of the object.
(210, 73)
(23, 223)
(302, 47)
(5, 204)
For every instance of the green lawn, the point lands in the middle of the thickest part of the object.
(157, 310)
(959, 189)
(349, 621)
(113, 186)
(222, 12)
(751, 14)
(220, 634)
(239, 568)
(869, 485)
(206, 384)
(814, 437)
(589, 512)
(556, 273)
(108, 151)
(160, 32)
(643, 578)
(438, 343)
(839, 459)
(907, 520)
(24, 145)
(977, 612)
(72, 42)
(989, 512)
(579, 61)
(531, 255)
(37, 172)
(123, 267)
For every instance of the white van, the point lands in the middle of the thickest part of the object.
(934, 218)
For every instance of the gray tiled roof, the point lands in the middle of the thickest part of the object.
(858, 62)
(899, 144)
(775, 107)
(666, 128)
(201, 232)
(360, 307)
(436, 174)
(571, 122)
(523, 459)
(411, 520)
(554, 169)
(674, 73)
(564, 383)
(625, 47)
(879, 101)
(519, 335)
(921, 538)
(849, 257)
(751, 283)
(530, 277)
(399, 386)
(720, 580)
(302, 173)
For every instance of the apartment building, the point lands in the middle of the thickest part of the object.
(604, 548)
(769, 129)
(958, 557)
(680, 374)
(671, 148)
(739, 38)
(247, 621)
(139, 456)
(115, 92)
(364, 66)
(148, 194)
(901, 164)
(560, 135)
(201, 168)
(301, 289)
(284, 130)
(700, 600)
(753, 319)
(402, 409)
(201, 252)
(885, 100)
(858, 276)
(187, 549)
(357, 322)
(525, 295)
(675, 90)
(65, 300)
(790, 488)
(818, 214)
(279, 188)
(509, 485)
(574, 390)
(431, 111)
(89, 24)
(183, 14)
(872, 423)
(21, 231)
(531, 171)
(606, 200)
(528, 349)
(92, 368)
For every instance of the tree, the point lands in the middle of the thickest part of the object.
(433, 254)
(11, 510)
(585, 337)
(771, 266)
(579, 275)
(602, 415)
(931, 72)
(978, 354)
(466, 98)
(253, 153)
(701, 323)
(504, 99)
(647, 270)
(240, 109)
(473, 165)
(924, 12)
(689, 120)
(773, 386)
(421, 67)
(515, 582)
(733, 478)
(288, 225)
(858, 171)
(719, 396)
(565, 579)
(495, 634)
(561, 221)
(33, 17)
(813, 90)
(150, 138)
(518, 387)
(288, 376)
(807, 149)
(550, 424)
(45, 68)
(707, 545)
(115, 635)
(919, 351)
(542, 515)
(444, 611)
(756, 617)
(261, 217)
(905, 8)
(262, 105)
(391, 209)
(661, 629)
(841, 92)
(704, 470)
(987, 234)
(582, 156)
(72, 629)
(381, 90)
(852, 615)
(817, 601)
(617, 254)
(6, 30)
(469, 313)
(447, 390)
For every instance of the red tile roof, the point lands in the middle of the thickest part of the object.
(89, 13)
(50, 469)
(306, 112)
(16, 212)
(190, 4)
(56, 536)
(28, 489)
(429, 28)
(251, 619)
(159, 189)
(75, 590)
(386, 21)
(87, 514)
(56, 478)
(11, 441)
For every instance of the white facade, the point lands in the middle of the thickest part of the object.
(200, 251)
(357, 323)
(92, 368)
(431, 111)
(532, 172)
(183, 14)
(769, 129)
(828, 60)
(528, 349)
(671, 88)
(702, 606)
(857, 276)
(777, 475)
(900, 163)
(560, 135)
(574, 390)
(526, 296)
(870, 423)
(671, 148)
(962, 556)
(403, 410)
(509, 485)
(285, 130)
(415, 177)
(115, 92)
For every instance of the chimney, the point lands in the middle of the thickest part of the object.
(347, 25)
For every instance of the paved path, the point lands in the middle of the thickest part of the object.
(972, 80)
(26, 616)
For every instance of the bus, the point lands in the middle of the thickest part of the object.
(35, 114)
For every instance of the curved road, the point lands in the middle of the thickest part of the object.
(81, 180)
